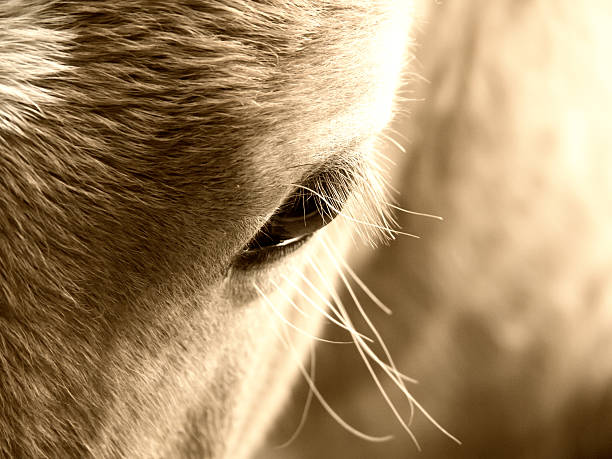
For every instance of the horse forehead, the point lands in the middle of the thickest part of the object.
(207, 80)
(207, 109)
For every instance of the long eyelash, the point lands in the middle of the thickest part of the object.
(284, 339)
(394, 142)
(317, 307)
(390, 370)
(362, 349)
(307, 403)
(328, 199)
(352, 186)
(335, 257)
(279, 314)
(356, 192)
(412, 212)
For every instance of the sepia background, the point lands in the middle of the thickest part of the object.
(502, 310)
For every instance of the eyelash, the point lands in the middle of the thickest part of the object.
(290, 227)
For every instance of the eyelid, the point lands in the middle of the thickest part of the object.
(298, 225)
(312, 205)
(259, 258)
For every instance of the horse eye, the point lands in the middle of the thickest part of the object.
(298, 218)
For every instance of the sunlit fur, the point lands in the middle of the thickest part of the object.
(142, 145)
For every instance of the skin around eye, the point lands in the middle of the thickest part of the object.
(256, 258)
(302, 214)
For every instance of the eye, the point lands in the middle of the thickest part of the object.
(298, 218)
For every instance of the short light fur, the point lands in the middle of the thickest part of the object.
(142, 145)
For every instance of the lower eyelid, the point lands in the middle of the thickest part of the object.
(257, 258)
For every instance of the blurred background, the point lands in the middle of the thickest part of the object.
(503, 310)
